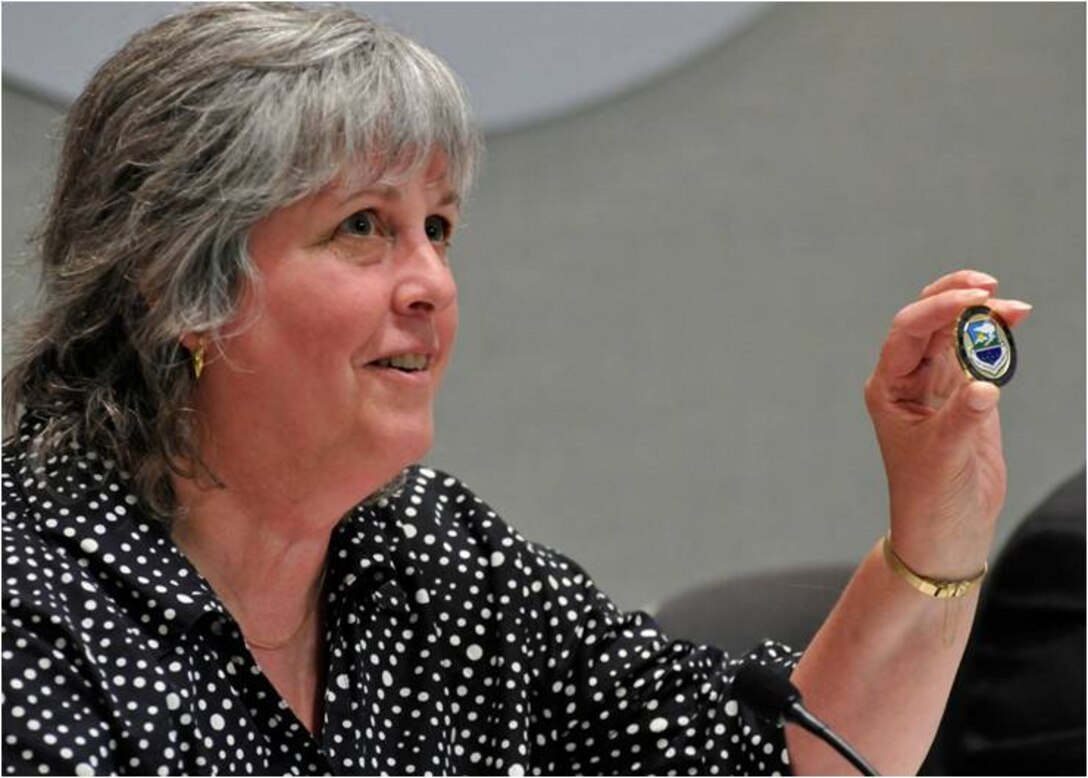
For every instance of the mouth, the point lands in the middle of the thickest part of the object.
(404, 363)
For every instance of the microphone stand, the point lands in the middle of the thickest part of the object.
(774, 698)
(798, 714)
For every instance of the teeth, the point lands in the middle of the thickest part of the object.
(405, 362)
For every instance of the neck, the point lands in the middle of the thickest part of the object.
(261, 540)
(267, 572)
(265, 558)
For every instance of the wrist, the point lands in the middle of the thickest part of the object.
(951, 554)
(940, 588)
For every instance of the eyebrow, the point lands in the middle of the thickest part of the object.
(390, 192)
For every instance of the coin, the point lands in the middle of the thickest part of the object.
(985, 346)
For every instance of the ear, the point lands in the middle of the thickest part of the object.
(190, 340)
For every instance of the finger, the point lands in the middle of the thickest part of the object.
(965, 410)
(1012, 311)
(962, 279)
(914, 327)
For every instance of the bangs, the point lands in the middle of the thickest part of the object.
(405, 107)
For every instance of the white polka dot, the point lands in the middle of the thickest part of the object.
(539, 607)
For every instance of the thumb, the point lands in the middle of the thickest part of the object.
(971, 404)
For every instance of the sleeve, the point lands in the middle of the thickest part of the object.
(54, 720)
(623, 698)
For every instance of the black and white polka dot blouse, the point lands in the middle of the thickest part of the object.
(454, 646)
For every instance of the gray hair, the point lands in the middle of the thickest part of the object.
(191, 133)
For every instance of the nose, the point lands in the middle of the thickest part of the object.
(425, 281)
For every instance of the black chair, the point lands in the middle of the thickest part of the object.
(736, 614)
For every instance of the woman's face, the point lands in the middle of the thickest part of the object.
(351, 278)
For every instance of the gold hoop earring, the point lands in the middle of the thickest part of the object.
(198, 361)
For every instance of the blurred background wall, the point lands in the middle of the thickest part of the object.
(671, 298)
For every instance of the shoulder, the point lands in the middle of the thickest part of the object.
(432, 498)
(437, 535)
(81, 558)
(53, 589)
(58, 508)
(435, 508)
(41, 547)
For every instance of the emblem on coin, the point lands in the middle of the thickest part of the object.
(985, 346)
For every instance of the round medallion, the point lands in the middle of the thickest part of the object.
(985, 346)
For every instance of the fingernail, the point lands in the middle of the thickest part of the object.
(981, 294)
(1019, 305)
(981, 278)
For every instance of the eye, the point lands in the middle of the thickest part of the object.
(362, 238)
(363, 224)
(438, 229)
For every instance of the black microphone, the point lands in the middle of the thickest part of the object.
(773, 697)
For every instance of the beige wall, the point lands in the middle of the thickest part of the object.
(670, 302)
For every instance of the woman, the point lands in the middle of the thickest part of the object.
(219, 555)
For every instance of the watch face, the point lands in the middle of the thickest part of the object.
(985, 346)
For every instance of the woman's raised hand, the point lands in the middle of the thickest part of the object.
(939, 431)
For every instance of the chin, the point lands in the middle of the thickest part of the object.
(406, 447)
